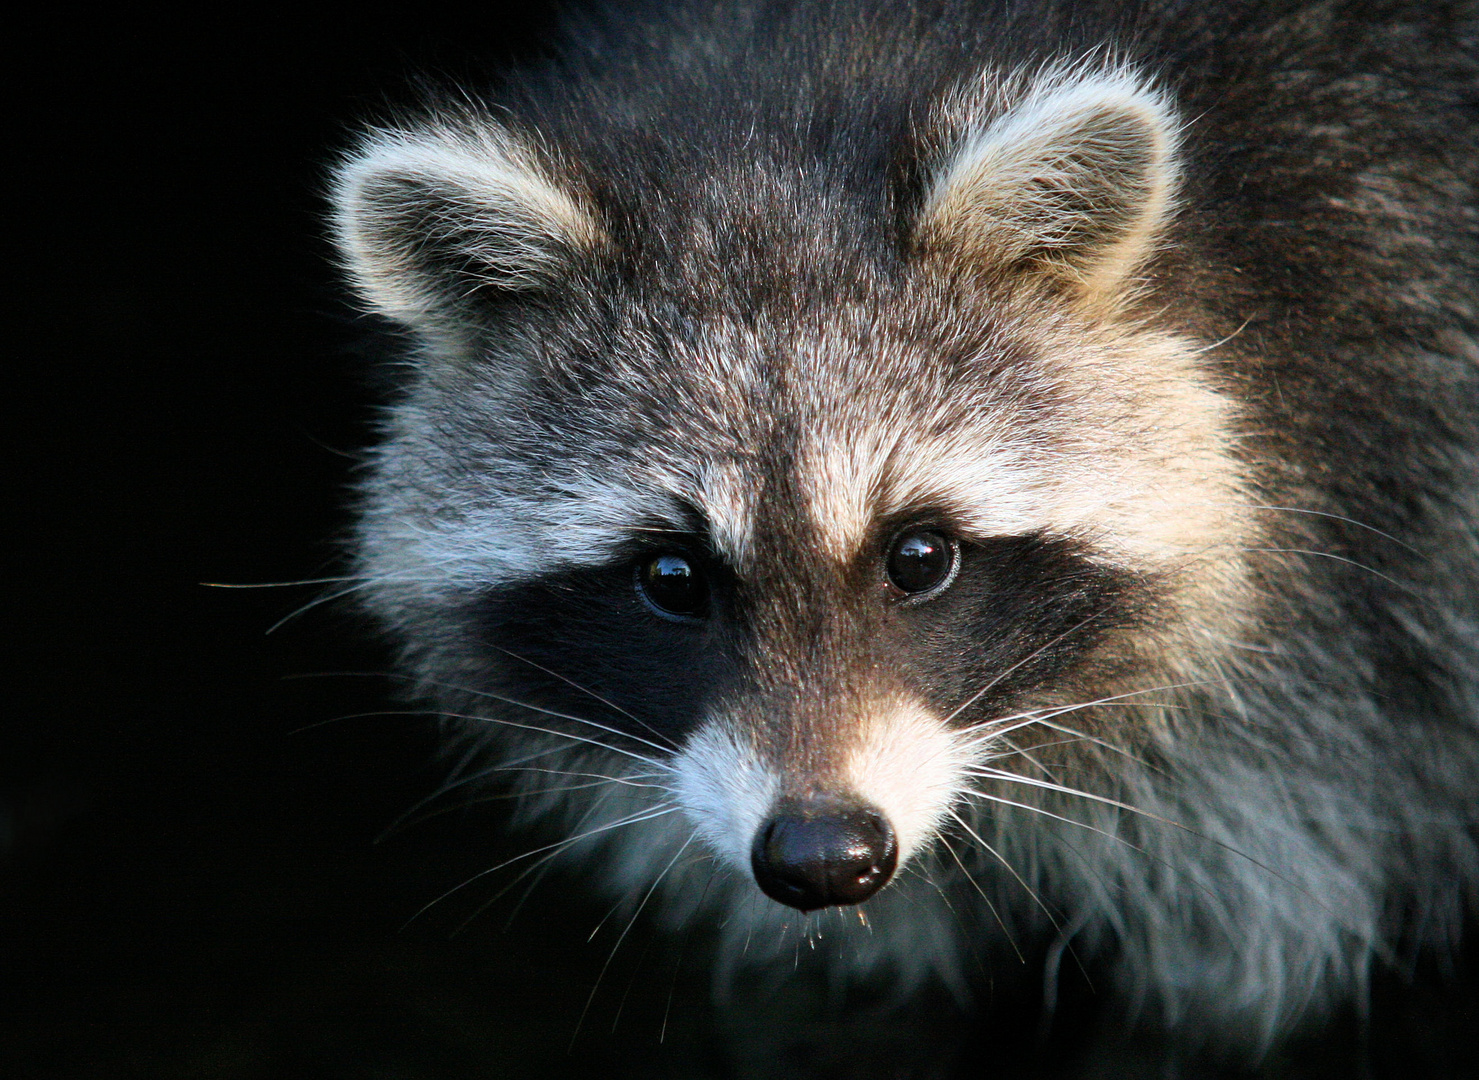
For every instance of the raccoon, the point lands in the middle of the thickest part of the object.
(888, 460)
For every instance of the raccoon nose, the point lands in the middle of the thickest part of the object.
(814, 859)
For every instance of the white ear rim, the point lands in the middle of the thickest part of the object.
(510, 224)
(1022, 185)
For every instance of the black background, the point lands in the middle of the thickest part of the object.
(192, 883)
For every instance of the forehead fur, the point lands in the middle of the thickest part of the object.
(1106, 434)
(1013, 417)
(762, 327)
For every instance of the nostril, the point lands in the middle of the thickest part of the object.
(814, 859)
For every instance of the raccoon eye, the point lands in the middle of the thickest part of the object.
(921, 561)
(673, 584)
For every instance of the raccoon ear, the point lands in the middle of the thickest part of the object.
(427, 222)
(1074, 179)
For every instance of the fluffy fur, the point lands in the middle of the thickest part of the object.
(1166, 314)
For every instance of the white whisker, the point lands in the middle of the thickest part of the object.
(1010, 868)
(1026, 659)
(645, 815)
(459, 689)
(1337, 558)
(630, 923)
(986, 899)
(586, 690)
(1338, 517)
(1003, 775)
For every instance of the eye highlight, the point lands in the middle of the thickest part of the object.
(673, 584)
(921, 561)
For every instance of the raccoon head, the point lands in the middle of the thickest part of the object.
(821, 506)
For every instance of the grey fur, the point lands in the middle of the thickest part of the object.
(742, 265)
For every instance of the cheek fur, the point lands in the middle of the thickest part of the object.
(912, 768)
(725, 789)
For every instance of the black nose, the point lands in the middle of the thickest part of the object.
(814, 857)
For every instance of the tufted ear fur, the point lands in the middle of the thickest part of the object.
(428, 221)
(1073, 179)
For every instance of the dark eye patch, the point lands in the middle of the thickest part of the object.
(592, 642)
(567, 639)
(1020, 612)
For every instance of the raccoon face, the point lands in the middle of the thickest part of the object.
(826, 509)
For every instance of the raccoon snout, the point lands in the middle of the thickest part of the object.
(809, 858)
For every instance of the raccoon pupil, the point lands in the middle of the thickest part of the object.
(920, 560)
(673, 585)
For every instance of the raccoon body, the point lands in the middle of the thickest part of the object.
(1007, 458)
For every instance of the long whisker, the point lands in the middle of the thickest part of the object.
(318, 601)
(1016, 751)
(537, 868)
(587, 690)
(360, 583)
(1010, 868)
(340, 579)
(1058, 710)
(470, 753)
(518, 764)
(1001, 800)
(636, 780)
(989, 905)
(1027, 755)
(988, 773)
(600, 779)
(968, 937)
(683, 948)
(1001, 774)
(645, 815)
(406, 817)
(580, 719)
(1340, 559)
(1026, 659)
(503, 796)
(568, 735)
(989, 730)
(1073, 733)
(631, 983)
(505, 722)
(1339, 517)
(630, 923)
(472, 691)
